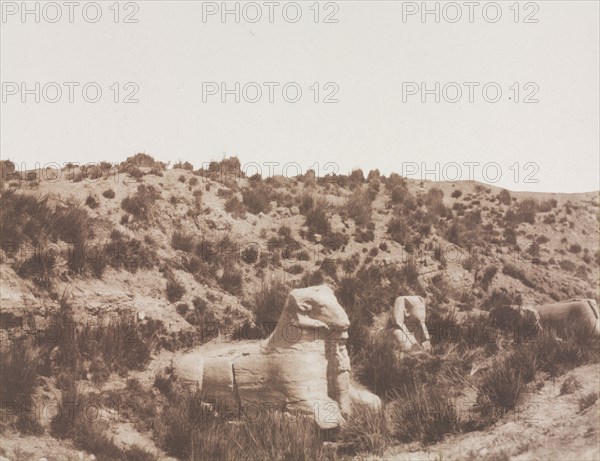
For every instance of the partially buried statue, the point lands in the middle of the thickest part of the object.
(406, 324)
(302, 367)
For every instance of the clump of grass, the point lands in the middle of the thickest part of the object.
(366, 431)
(183, 241)
(587, 401)
(91, 201)
(358, 206)
(175, 290)
(140, 204)
(189, 430)
(21, 363)
(89, 433)
(505, 382)
(109, 193)
(231, 280)
(425, 413)
(257, 198)
(570, 385)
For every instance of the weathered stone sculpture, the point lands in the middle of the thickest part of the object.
(584, 311)
(302, 367)
(406, 324)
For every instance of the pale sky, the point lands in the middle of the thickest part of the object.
(368, 55)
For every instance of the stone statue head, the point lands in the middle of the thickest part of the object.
(317, 307)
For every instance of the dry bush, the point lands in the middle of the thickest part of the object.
(141, 204)
(91, 201)
(504, 384)
(268, 304)
(109, 193)
(587, 401)
(188, 430)
(358, 206)
(504, 197)
(316, 218)
(235, 207)
(425, 413)
(365, 431)
(488, 275)
(399, 230)
(183, 241)
(175, 290)
(570, 385)
(88, 432)
(232, 280)
(257, 198)
(21, 363)
(119, 343)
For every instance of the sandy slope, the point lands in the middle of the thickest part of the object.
(549, 426)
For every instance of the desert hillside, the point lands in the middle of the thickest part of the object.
(107, 270)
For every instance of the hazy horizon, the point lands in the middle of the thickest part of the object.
(368, 61)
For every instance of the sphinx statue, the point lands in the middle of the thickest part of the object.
(301, 368)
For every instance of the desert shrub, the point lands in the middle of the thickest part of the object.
(526, 211)
(91, 202)
(183, 241)
(109, 193)
(141, 160)
(366, 431)
(399, 230)
(501, 298)
(39, 268)
(566, 265)
(316, 218)
(235, 207)
(356, 178)
(488, 275)
(295, 269)
(250, 254)
(575, 248)
(183, 166)
(510, 236)
(426, 413)
(434, 200)
(89, 433)
(504, 197)
(268, 304)
(181, 179)
(515, 272)
(28, 218)
(141, 203)
(587, 401)
(547, 205)
(175, 290)
(125, 253)
(257, 198)
(335, 241)
(358, 206)
(189, 430)
(231, 280)
(456, 193)
(504, 384)
(542, 239)
(570, 385)
(21, 362)
(182, 309)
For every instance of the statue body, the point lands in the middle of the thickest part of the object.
(302, 367)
